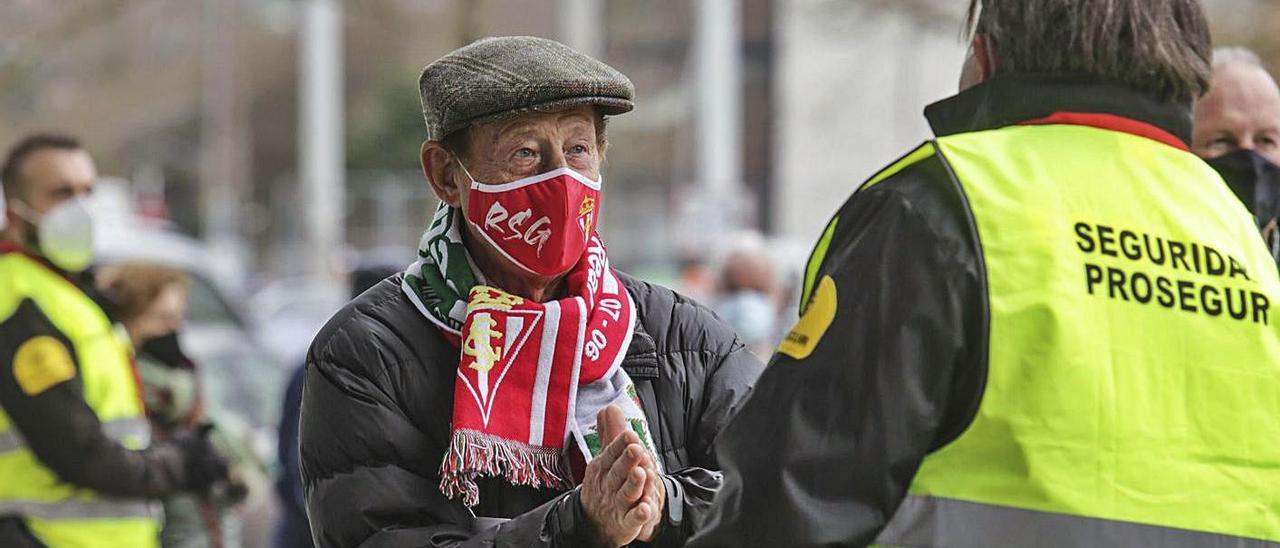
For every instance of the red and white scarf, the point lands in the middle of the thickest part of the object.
(533, 376)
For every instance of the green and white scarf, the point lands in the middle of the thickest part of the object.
(571, 343)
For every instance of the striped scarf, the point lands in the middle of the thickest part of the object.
(531, 376)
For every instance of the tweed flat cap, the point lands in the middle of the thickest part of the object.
(502, 77)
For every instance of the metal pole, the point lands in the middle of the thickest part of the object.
(719, 82)
(320, 136)
(224, 136)
(582, 25)
(391, 200)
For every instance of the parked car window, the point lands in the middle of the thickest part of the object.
(206, 305)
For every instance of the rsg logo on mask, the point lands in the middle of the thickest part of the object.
(541, 223)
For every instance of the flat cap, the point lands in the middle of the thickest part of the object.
(502, 77)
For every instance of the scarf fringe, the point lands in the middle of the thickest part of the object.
(473, 453)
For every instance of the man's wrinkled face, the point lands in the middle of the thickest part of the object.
(1241, 111)
(508, 150)
(533, 143)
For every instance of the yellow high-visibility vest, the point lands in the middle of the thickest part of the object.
(57, 513)
(1133, 382)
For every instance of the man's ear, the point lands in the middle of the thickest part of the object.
(984, 52)
(440, 170)
(979, 63)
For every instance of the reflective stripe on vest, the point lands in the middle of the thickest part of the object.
(133, 429)
(934, 521)
(80, 509)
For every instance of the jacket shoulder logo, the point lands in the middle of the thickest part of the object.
(41, 363)
(813, 324)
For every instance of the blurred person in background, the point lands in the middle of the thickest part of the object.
(77, 462)
(1052, 325)
(1237, 130)
(150, 303)
(294, 530)
(748, 295)
(511, 388)
(695, 278)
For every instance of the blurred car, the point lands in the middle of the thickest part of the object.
(240, 375)
(297, 307)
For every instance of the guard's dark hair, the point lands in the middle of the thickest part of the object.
(1158, 47)
(25, 147)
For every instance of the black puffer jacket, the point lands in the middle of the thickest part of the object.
(379, 398)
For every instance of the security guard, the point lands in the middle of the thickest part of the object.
(76, 463)
(1052, 325)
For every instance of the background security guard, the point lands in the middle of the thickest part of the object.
(1029, 331)
(76, 462)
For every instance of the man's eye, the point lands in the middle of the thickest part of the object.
(524, 153)
(578, 149)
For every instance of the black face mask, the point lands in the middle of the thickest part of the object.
(1256, 182)
(166, 350)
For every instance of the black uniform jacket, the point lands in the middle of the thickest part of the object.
(378, 400)
(824, 450)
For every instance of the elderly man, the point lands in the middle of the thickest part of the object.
(511, 388)
(1052, 325)
(1237, 130)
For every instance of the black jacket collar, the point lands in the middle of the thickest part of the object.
(1013, 99)
(641, 360)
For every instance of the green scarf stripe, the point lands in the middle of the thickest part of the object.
(442, 276)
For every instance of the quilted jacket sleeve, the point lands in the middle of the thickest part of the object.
(369, 471)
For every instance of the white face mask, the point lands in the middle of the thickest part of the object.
(751, 314)
(64, 233)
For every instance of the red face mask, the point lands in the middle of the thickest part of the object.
(540, 223)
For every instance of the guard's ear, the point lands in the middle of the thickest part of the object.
(979, 64)
(4, 210)
(441, 171)
(985, 53)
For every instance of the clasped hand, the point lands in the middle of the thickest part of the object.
(622, 492)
